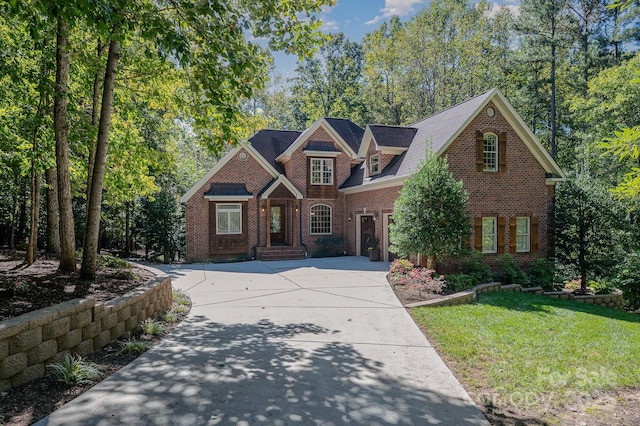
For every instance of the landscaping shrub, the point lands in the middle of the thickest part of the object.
(421, 281)
(329, 247)
(541, 273)
(476, 268)
(627, 279)
(401, 266)
(152, 327)
(133, 346)
(107, 260)
(459, 282)
(601, 287)
(73, 370)
(510, 272)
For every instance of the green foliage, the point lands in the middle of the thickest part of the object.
(510, 272)
(475, 267)
(133, 346)
(601, 287)
(73, 370)
(152, 327)
(627, 279)
(430, 215)
(170, 317)
(329, 246)
(163, 225)
(588, 229)
(541, 274)
(107, 260)
(460, 282)
(180, 297)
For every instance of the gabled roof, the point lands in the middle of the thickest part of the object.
(271, 143)
(439, 131)
(228, 192)
(338, 128)
(393, 139)
(282, 180)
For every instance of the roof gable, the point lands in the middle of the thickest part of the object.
(348, 130)
(271, 143)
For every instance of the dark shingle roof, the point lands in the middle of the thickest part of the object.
(393, 136)
(348, 130)
(320, 146)
(227, 189)
(271, 143)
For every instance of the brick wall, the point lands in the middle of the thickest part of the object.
(235, 170)
(31, 341)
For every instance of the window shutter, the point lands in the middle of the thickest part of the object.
(534, 234)
(478, 234)
(501, 226)
(502, 152)
(512, 234)
(479, 151)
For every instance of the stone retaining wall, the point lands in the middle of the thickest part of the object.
(615, 300)
(30, 341)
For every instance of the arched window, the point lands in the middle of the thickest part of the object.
(490, 152)
(320, 219)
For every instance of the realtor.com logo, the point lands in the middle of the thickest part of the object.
(560, 388)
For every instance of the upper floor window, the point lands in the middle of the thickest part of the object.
(320, 219)
(228, 218)
(522, 234)
(374, 164)
(490, 152)
(321, 171)
(489, 235)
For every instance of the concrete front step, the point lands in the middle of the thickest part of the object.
(280, 253)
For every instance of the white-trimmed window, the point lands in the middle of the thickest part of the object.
(320, 220)
(489, 235)
(321, 171)
(523, 234)
(490, 152)
(229, 218)
(374, 164)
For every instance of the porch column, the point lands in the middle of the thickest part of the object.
(268, 227)
(294, 213)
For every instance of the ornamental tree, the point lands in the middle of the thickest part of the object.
(430, 215)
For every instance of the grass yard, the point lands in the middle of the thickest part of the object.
(536, 354)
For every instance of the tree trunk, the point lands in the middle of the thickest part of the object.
(92, 228)
(14, 222)
(32, 245)
(127, 229)
(553, 86)
(53, 215)
(61, 128)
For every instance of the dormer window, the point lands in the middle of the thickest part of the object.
(321, 171)
(490, 152)
(374, 164)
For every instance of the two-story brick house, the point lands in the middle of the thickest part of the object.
(274, 195)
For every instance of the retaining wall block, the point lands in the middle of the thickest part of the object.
(80, 319)
(13, 364)
(102, 339)
(4, 348)
(99, 312)
(26, 340)
(12, 326)
(131, 323)
(56, 328)
(142, 315)
(59, 357)
(90, 331)
(124, 313)
(70, 340)
(5, 385)
(42, 352)
(84, 348)
(27, 375)
(109, 321)
(117, 331)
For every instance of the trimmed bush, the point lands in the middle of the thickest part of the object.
(477, 269)
(541, 274)
(459, 282)
(510, 272)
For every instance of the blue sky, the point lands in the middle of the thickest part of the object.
(356, 18)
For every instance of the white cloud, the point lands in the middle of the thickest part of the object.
(395, 7)
(494, 8)
(329, 26)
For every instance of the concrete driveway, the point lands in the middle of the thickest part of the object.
(310, 342)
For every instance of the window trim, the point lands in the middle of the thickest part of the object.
(495, 235)
(495, 153)
(228, 212)
(322, 161)
(311, 214)
(528, 234)
(374, 160)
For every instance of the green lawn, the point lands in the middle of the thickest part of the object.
(533, 352)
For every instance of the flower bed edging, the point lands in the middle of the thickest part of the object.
(31, 341)
(614, 300)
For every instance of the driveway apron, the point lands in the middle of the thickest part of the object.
(306, 342)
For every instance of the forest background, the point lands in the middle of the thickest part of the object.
(111, 110)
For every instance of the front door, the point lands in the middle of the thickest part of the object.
(367, 233)
(276, 217)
